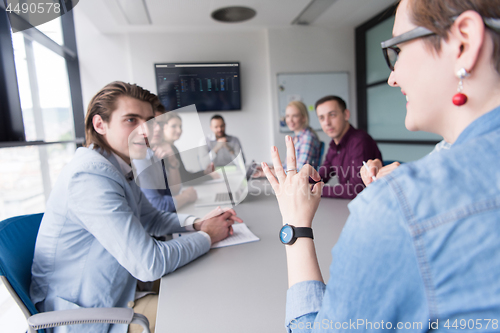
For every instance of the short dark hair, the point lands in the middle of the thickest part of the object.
(328, 98)
(438, 16)
(160, 108)
(216, 116)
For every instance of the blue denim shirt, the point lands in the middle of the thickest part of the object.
(94, 241)
(420, 249)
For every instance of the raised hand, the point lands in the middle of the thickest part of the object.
(298, 202)
(377, 170)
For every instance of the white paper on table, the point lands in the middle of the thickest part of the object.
(241, 234)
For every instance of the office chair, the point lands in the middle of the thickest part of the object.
(17, 246)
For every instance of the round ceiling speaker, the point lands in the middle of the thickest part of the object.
(233, 14)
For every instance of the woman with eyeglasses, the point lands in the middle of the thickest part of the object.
(421, 247)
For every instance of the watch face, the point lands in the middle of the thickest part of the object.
(286, 234)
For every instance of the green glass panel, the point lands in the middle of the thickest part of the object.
(376, 67)
(403, 153)
(386, 115)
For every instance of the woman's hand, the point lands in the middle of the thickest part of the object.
(210, 168)
(377, 170)
(185, 197)
(298, 202)
(258, 173)
(215, 175)
(163, 150)
(388, 169)
(166, 152)
(190, 194)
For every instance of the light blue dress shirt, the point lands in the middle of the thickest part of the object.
(94, 241)
(420, 250)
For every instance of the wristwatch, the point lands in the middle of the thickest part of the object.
(289, 234)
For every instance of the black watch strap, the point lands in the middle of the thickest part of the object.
(303, 232)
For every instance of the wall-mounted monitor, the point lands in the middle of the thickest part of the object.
(210, 86)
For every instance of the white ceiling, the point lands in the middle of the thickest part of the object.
(192, 15)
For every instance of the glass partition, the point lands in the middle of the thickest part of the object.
(381, 108)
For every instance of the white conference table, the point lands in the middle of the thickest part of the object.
(243, 288)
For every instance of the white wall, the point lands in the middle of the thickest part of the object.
(310, 49)
(103, 58)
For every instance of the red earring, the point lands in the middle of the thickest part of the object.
(459, 98)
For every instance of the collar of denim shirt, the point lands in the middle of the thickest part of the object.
(482, 125)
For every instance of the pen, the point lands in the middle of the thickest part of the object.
(368, 169)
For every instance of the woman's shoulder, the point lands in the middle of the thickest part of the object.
(175, 149)
(306, 133)
(310, 135)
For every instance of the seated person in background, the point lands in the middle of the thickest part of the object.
(223, 148)
(347, 151)
(167, 198)
(95, 240)
(306, 141)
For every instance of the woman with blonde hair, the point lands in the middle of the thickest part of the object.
(305, 139)
(420, 248)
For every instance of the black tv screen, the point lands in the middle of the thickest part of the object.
(211, 86)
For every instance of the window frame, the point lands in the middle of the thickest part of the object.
(12, 132)
(361, 76)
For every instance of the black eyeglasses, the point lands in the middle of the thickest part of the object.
(391, 51)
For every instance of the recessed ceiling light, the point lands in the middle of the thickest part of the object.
(233, 14)
(312, 11)
(135, 12)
